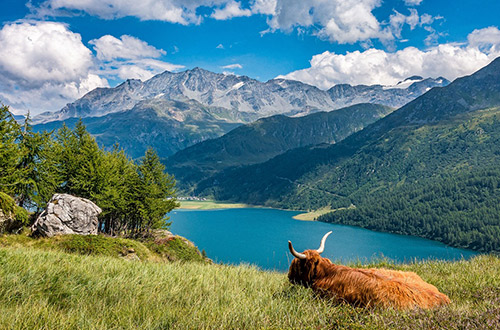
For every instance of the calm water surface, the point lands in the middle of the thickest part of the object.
(260, 237)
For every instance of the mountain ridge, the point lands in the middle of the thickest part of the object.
(267, 137)
(276, 96)
(402, 117)
(448, 139)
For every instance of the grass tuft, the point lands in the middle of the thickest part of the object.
(52, 289)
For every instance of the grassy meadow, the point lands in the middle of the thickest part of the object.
(211, 205)
(49, 288)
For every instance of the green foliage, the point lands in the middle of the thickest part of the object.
(175, 249)
(100, 245)
(160, 250)
(33, 166)
(430, 169)
(460, 210)
(55, 290)
(38, 181)
(9, 151)
(268, 137)
(9, 207)
(134, 197)
(156, 187)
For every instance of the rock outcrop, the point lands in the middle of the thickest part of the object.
(5, 221)
(67, 214)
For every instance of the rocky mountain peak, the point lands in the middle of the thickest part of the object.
(235, 93)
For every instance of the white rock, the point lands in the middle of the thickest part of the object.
(67, 214)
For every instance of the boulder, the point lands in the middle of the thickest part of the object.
(6, 219)
(67, 214)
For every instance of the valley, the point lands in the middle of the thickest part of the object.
(384, 161)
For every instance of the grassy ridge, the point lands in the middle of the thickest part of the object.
(55, 290)
(157, 250)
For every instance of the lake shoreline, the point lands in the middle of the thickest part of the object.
(227, 234)
(212, 205)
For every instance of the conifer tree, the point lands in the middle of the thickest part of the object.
(158, 191)
(38, 180)
(9, 151)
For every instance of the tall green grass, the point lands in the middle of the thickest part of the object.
(56, 290)
(173, 249)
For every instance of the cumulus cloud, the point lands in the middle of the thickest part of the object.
(233, 66)
(229, 10)
(413, 2)
(342, 21)
(43, 65)
(375, 66)
(487, 39)
(173, 11)
(142, 69)
(128, 57)
(266, 7)
(127, 47)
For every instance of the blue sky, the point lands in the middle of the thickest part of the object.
(55, 51)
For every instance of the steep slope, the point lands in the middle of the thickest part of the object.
(269, 137)
(167, 126)
(227, 100)
(240, 93)
(444, 132)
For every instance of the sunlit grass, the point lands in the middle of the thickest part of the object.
(56, 290)
(211, 205)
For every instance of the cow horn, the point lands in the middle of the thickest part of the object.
(295, 253)
(322, 246)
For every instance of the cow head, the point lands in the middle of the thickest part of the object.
(307, 266)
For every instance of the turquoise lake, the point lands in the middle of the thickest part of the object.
(260, 237)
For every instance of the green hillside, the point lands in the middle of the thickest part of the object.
(167, 126)
(56, 290)
(448, 135)
(269, 137)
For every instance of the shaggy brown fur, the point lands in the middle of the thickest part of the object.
(364, 287)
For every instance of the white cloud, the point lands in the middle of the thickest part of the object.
(128, 57)
(375, 66)
(232, 66)
(266, 7)
(487, 39)
(398, 20)
(220, 46)
(173, 11)
(44, 51)
(43, 66)
(142, 69)
(342, 21)
(413, 2)
(127, 47)
(229, 10)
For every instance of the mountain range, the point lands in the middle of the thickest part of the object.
(429, 168)
(268, 137)
(172, 111)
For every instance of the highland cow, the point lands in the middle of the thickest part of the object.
(362, 287)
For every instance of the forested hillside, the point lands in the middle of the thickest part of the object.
(450, 134)
(269, 137)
